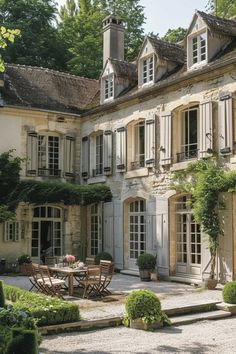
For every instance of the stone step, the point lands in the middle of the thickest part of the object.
(211, 315)
(130, 272)
(206, 306)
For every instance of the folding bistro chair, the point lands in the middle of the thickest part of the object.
(28, 269)
(51, 286)
(92, 282)
(107, 269)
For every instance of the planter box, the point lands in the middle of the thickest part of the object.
(139, 324)
(145, 274)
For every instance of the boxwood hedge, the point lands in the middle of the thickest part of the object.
(47, 310)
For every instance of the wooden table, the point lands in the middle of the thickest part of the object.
(69, 274)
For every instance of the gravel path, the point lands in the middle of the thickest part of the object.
(216, 337)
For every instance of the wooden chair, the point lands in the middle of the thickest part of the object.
(92, 282)
(28, 268)
(50, 260)
(107, 269)
(51, 286)
(89, 261)
(36, 276)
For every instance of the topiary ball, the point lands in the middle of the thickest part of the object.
(2, 295)
(102, 256)
(229, 292)
(142, 303)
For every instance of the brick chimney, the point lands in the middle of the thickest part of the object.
(113, 38)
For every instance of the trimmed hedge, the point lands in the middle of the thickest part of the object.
(2, 295)
(105, 256)
(47, 310)
(23, 341)
(229, 292)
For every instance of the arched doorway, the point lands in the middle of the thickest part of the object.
(46, 232)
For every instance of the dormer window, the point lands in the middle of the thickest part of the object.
(108, 87)
(147, 70)
(198, 49)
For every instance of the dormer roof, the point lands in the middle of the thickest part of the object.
(123, 69)
(165, 50)
(216, 24)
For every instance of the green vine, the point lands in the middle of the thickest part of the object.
(205, 180)
(36, 192)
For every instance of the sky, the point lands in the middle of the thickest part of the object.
(164, 14)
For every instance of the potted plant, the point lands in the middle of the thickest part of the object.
(146, 263)
(143, 311)
(22, 260)
(105, 256)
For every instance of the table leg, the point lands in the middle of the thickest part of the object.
(70, 284)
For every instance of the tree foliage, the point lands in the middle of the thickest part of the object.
(40, 43)
(175, 35)
(222, 8)
(6, 36)
(81, 30)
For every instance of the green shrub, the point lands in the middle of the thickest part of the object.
(2, 295)
(24, 258)
(23, 341)
(102, 256)
(10, 318)
(146, 261)
(47, 310)
(229, 292)
(145, 305)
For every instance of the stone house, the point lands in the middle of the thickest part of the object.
(174, 105)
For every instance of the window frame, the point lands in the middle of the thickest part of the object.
(108, 87)
(197, 36)
(44, 153)
(12, 231)
(138, 157)
(147, 70)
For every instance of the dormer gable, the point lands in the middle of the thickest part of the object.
(117, 76)
(156, 59)
(207, 35)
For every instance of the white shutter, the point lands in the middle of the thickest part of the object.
(225, 124)
(32, 153)
(121, 149)
(205, 128)
(151, 227)
(150, 141)
(118, 234)
(165, 138)
(162, 239)
(85, 157)
(69, 156)
(108, 227)
(107, 152)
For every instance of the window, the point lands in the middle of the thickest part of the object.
(94, 237)
(147, 70)
(48, 155)
(98, 156)
(198, 48)
(139, 146)
(12, 231)
(189, 144)
(108, 87)
(137, 230)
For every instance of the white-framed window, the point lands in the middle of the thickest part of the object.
(139, 146)
(98, 155)
(198, 49)
(108, 83)
(147, 70)
(137, 229)
(12, 231)
(48, 155)
(189, 138)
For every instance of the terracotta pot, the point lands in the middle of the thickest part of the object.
(145, 274)
(140, 324)
(211, 283)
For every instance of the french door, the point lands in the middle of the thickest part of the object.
(188, 242)
(137, 231)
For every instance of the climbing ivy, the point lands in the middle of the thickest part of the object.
(205, 180)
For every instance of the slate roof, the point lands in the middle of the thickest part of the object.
(218, 24)
(168, 51)
(125, 69)
(47, 89)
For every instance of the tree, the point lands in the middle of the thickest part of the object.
(222, 8)
(10, 167)
(40, 43)
(81, 29)
(6, 35)
(175, 35)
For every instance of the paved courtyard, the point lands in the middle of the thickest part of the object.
(171, 294)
